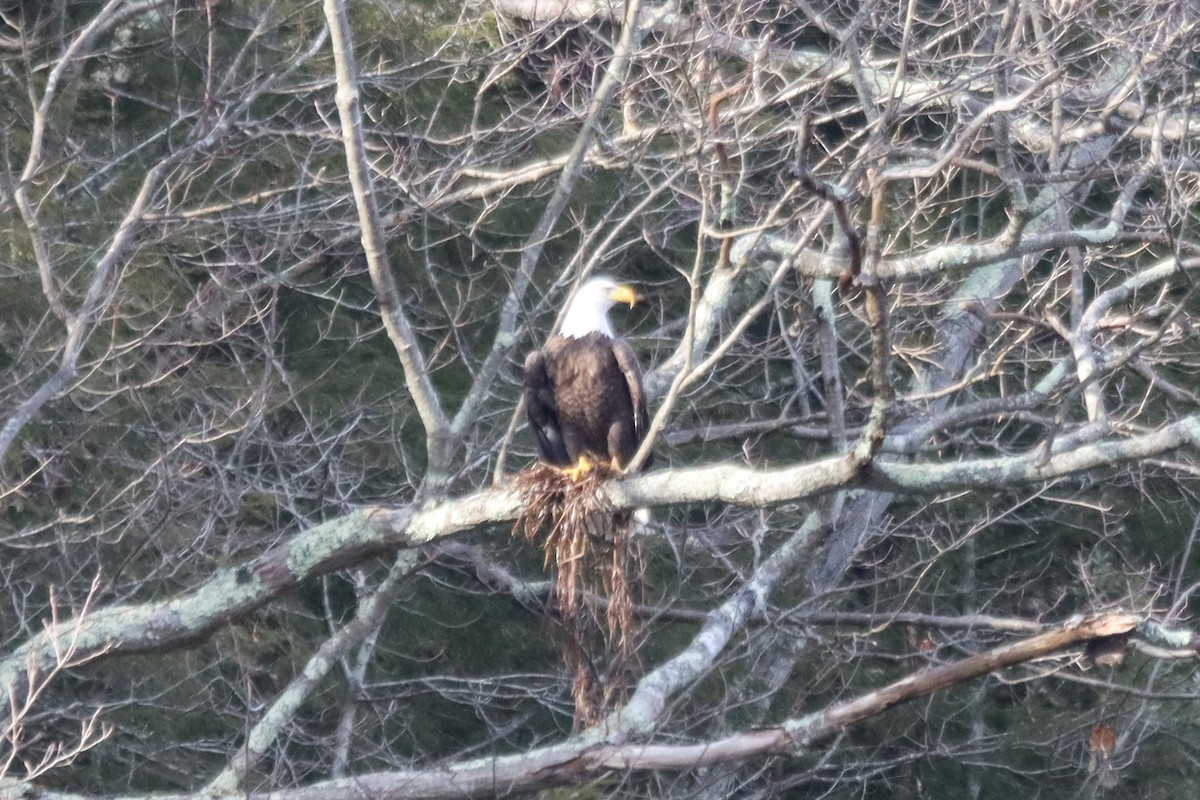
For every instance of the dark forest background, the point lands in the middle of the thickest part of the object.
(920, 340)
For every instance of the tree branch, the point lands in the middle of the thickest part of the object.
(579, 761)
(266, 731)
(391, 307)
(372, 531)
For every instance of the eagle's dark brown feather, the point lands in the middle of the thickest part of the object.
(583, 390)
(584, 398)
(542, 411)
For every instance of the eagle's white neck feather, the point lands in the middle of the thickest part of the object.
(588, 312)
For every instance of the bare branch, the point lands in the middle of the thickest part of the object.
(408, 350)
(577, 762)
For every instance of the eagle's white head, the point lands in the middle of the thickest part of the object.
(588, 312)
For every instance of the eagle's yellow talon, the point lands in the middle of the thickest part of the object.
(581, 468)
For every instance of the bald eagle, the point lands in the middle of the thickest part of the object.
(583, 390)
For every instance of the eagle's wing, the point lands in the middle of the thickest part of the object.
(542, 411)
(627, 361)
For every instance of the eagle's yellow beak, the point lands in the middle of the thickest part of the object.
(625, 294)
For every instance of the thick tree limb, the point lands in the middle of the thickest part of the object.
(391, 308)
(267, 730)
(372, 531)
(578, 761)
(936, 260)
(546, 11)
(644, 709)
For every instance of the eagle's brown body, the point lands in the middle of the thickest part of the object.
(583, 390)
(584, 398)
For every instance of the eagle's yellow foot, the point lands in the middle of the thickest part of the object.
(582, 467)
